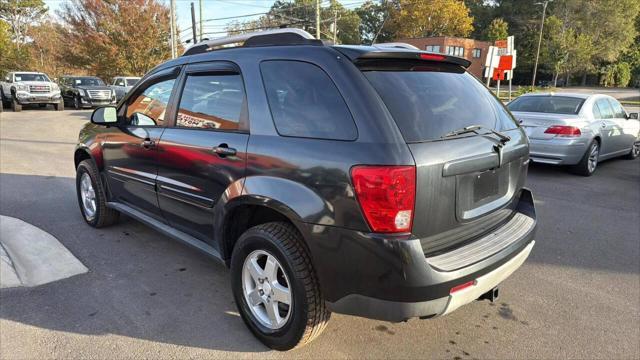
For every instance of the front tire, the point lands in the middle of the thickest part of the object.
(15, 105)
(270, 261)
(92, 196)
(59, 106)
(587, 166)
(76, 103)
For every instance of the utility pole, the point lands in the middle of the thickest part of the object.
(535, 67)
(172, 12)
(193, 23)
(200, 4)
(335, 25)
(318, 19)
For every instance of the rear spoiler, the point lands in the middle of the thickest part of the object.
(359, 55)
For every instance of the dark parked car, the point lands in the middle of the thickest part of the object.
(86, 91)
(373, 181)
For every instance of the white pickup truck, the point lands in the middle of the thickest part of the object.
(24, 87)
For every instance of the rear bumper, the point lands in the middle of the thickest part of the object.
(389, 278)
(558, 151)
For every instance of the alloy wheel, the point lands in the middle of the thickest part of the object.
(88, 196)
(593, 158)
(266, 289)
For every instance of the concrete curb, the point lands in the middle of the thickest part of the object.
(33, 256)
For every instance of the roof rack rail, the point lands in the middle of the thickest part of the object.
(400, 45)
(286, 36)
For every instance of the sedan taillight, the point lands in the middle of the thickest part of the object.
(562, 130)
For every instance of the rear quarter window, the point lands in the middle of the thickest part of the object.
(305, 102)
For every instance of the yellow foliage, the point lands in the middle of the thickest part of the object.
(420, 18)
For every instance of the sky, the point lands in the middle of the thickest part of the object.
(215, 9)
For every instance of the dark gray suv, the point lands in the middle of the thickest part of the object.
(382, 182)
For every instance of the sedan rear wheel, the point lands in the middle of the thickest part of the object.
(635, 150)
(587, 166)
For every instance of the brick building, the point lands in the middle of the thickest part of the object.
(472, 50)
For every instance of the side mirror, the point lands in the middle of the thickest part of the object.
(633, 115)
(105, 115)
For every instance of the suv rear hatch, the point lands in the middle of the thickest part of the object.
(468, 184)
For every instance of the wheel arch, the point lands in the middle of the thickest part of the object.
(265, 199)
(82, 153)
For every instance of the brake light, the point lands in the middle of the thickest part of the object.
(562, 130)
(432, 57)
(386, 195)
(462, 286)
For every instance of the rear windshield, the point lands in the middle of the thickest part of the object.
(428, 102)
(547, 104)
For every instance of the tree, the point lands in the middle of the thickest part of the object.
(48, 49)
(423, 18)
(116, 37)
(302, 14)
(20, 15)
(374, 24)
(497, 30)
(608, 23)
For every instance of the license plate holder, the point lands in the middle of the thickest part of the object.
(485, 185)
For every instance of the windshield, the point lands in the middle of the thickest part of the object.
(88, 82)
(547, 104)
(427, 102)
(31, 77)
(131, 82)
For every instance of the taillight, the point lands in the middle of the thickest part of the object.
(562, 130)
(432, 57)
(386, 195)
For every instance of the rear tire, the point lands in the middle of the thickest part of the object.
(587, 166)
(98, 215)
(306, 315)
(15, 105)
(635, 150)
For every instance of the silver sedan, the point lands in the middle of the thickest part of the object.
(576, 129)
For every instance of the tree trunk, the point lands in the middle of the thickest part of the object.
(555, 79)
(566, 83)
(584, 79)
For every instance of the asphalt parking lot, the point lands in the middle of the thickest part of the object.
(578, 295)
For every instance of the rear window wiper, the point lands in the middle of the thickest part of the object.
(476, 129)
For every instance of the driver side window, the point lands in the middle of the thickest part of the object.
(149, 107)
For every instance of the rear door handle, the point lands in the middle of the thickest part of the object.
(224, 150)
(148, 143)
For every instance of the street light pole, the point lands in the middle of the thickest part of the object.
(172, 10)
(200, 3)
(535, 67)
(318, 19)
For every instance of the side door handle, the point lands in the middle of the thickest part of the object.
(224, 150)
(148, 143)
